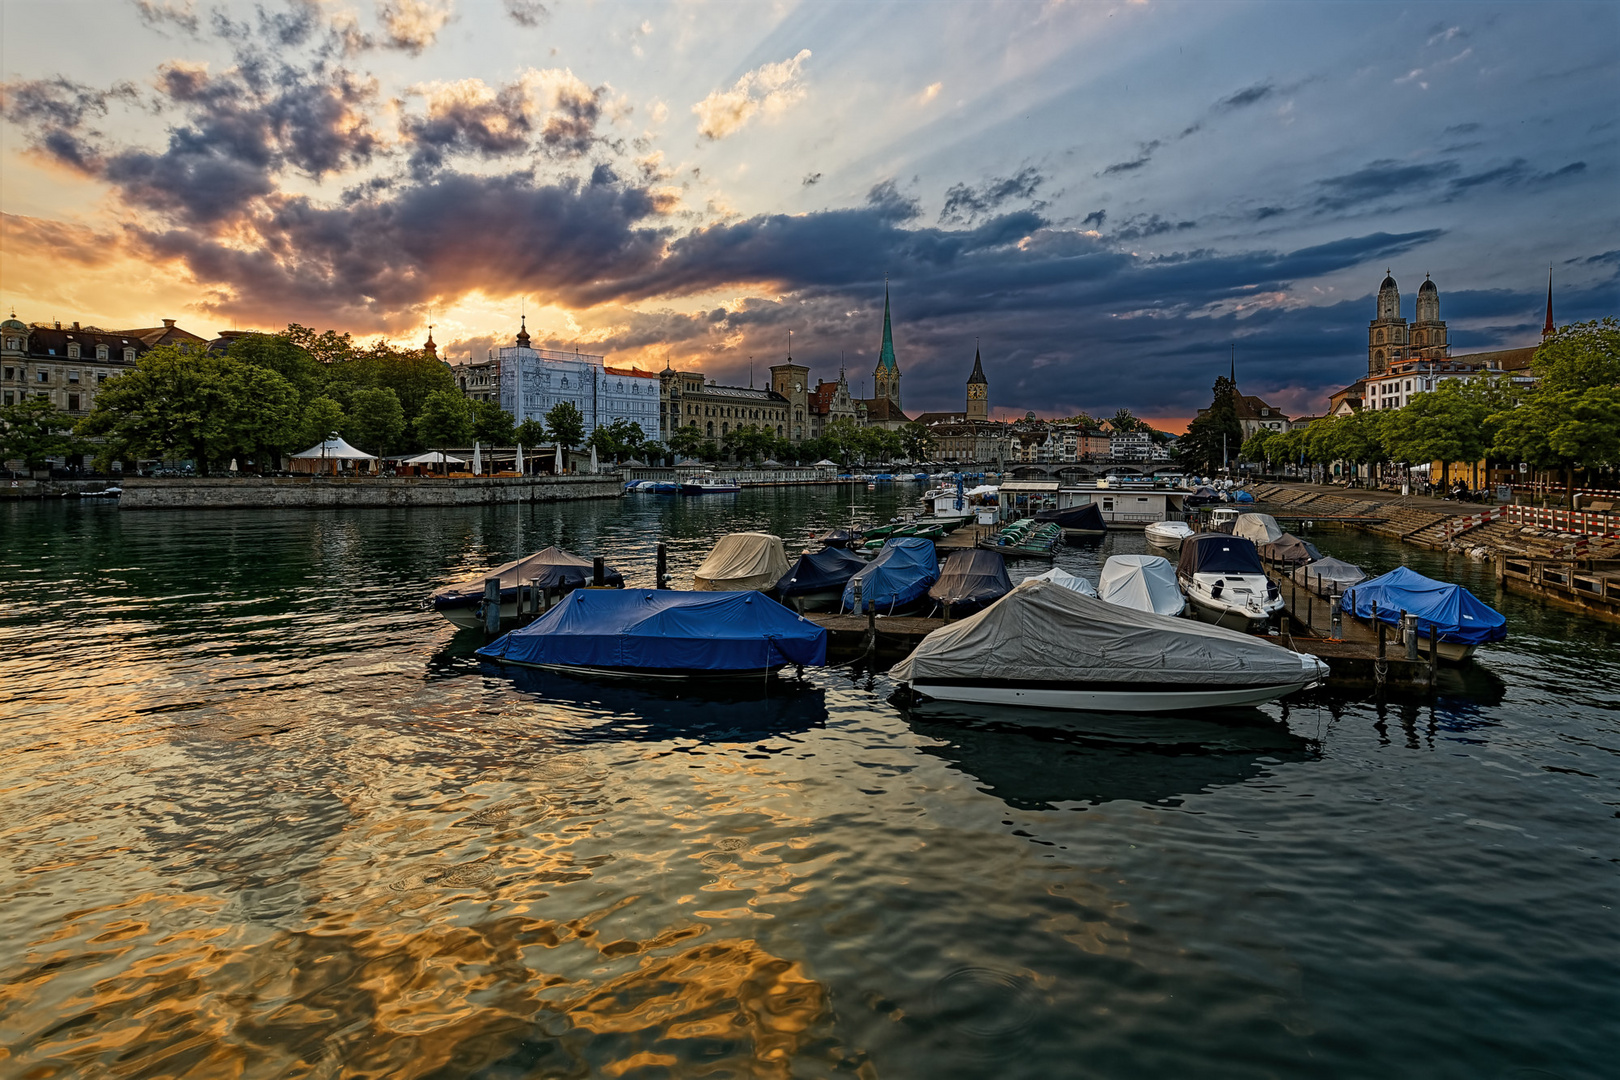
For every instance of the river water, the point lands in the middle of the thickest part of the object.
(262, 816)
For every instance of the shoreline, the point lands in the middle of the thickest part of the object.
(264, 493)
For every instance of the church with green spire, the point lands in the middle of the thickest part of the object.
(883, 407)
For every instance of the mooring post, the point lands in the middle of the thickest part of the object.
(660, 579)
(947, 611)
(1409, 629)
(1310, 610)
(598, 572)
(1334, 621)
(492, 606)
(1434, 653)
(855, 587)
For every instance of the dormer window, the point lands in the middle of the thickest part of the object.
(129, 356)
(101, 352)
(73, 351)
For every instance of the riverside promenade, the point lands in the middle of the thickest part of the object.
(246, 493)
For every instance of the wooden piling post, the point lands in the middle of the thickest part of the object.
(598, 572)
(492, 606)
(1434, 654)
(660, 578)
(1410, 630)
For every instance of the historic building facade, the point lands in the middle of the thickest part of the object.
(534, 381)
(65, 365)
(833, 401)
(716, 411)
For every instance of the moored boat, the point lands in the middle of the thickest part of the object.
(1059, 576)
(1289, 550)
(1261, 528)
(1460, 620)
(897, 580)
(1226, 584)
(551, 571)
(1167, 535)
(708, 485)
(1143, 582)
(816, 581)
(748, 560)
(664, 634)
(970, 581)
(1084, 521)
(1046, 646)
(1329, 577)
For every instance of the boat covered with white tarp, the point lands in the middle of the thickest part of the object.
(552, 571)
(739, 561)
(1143, 582)
(1046, 646)
(1261, 528)
(1327, 576)
(1060, 576)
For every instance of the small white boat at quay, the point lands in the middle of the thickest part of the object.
(1226, 583)
(1048, 647)
(1143, 582)
(1261, 528)
(1167, 535)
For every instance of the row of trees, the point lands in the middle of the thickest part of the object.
(1567, 420)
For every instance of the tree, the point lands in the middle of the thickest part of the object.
(841, 439)
(1255, 446)
(493, 424)
(279, 353)
(1216, 434)
(654, 451)
(686, 441)
(329, 347)
(199, 405)
(1445, 424)
(1567, 420)
(1124, 421)
(917, 442)
(530, 433)
(322, 417)
(445, 419)
(566, 424)
(617, 439)
(376, 420)
(34, 430)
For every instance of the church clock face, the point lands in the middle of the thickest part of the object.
(975, 391)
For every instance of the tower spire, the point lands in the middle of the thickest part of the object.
(1547, 328)
(1233, 374)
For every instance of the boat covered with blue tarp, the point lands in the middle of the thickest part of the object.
(1461, 618)
(664, 633)
(817, 580)
(897, 579)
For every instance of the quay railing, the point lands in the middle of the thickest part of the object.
(1572, 521)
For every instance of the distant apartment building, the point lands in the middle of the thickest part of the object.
(65, 365)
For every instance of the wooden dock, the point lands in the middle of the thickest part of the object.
(1353, 656)
(849, 637)
(1587, 585)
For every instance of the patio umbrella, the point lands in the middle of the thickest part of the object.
(478, 460)
(520, 458)
(233, 464)
(593, 458)
(557, 468)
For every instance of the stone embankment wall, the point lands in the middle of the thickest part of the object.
(379, 491)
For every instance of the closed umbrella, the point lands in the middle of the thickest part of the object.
(593, 459)
(519, 465)
(233, 464)
(557, 466)
(478, 461)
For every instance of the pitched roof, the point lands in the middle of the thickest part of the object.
(884, 409)
(1506, 359)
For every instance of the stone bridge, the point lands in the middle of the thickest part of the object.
(1072, 472)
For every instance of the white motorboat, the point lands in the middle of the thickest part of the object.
(1223, 518)
(1226, 584)
(1048, 647)
(1167, 535)
(708, 485)
(1143, 582)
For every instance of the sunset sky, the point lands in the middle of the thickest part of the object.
(1105, 197)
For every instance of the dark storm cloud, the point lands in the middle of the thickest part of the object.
(1143, 156)
(179, 13)
(1514, 172)
(58, 103)
(526, 12)
(1381, 179)
(1264, 212)
(1145, 225)
(964, 204)
(1249, 95)
(372, 261)
(1462, 129)
(1096, 217)
(486, 126)
(890, 204)
(571, 127)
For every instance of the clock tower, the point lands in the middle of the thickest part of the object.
(792, 381)
(978, 391)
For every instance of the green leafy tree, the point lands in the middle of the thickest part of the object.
(841, 440)
(1255, 446)
(686, 441)
(619, 439)
(566, 424)
(328, 347)
(34, 431)
(279, 353)
(654, 452)
(206, 407)
(322, 417)
(376, 419)
(493, 424)
(1123, 420)
(916, 442)
(1566, 420)
(530, 433)
(709, 451)
(445, 420)
(1445, 424)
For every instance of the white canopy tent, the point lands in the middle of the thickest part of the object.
(335, 450)
(432, 457)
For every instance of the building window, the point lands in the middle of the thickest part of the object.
(13, 343)
(73, 376)
(10, 398)
(44, 376)
(11, 373)
(73, 352)
(101, 376)
(73, 403)
(1409, 385)
(101, 352)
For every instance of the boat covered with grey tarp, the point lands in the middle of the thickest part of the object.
(1046, 646)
